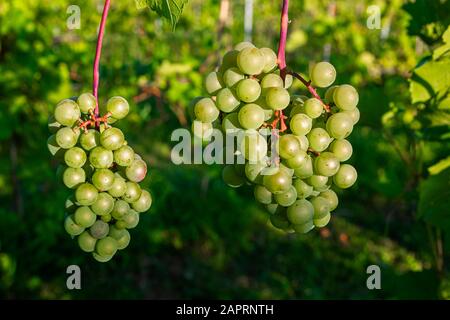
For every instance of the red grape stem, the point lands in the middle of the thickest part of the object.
(94, 121)
(98, 53)
(282, 59)
(310, 88)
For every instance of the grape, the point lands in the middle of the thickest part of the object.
(205, 110)
(271, 80)
(318, 182)
(253, 171)
(67, 112)
(119, 187)
(323, 74)
(231, 178)
(319, 139)
(248, 90)
(90, 139)
(353, 114)
(99, 229)
(304, 228)
(87, 102)
(242, 45)
(136, 171)
(230, 123)
(131, 219)
(213, 83)
(226, 100)
(53, 125)
(321, 207)
(229, 60)
(298, 160)
(133, 192)
(346, 97)
(289, 146)
(277, 98)
(66, 138)
(345, 177)
(75, 157)
(251, 116)
(331, 197)
(251, 61)
(303, 189)
(322, 222)
(86, 242)
(280, 221)
(278, 182)
(329, 94)
(272, 208)
(101, 158)
(86, 194)
(304, 142)
(70, 205)
(106, 246)
(118, 107)
(286, 198)
(53, 146)
(300, 212)
(288, 80)
(144, 202)
(122, 237)
(103, 179)
(326, 164)
(253, 146)
(72, 227)
(232, 76)
(124, 156)
(262, 194)
(202, 130)
(84, 217)
(270, 58)
(73, 177)
(342, 149)
(120, 209)
(103, 205)
(340, 125)
(112, 138)
(100, 258)
(305, 170)
(301, 124)
(313, 108)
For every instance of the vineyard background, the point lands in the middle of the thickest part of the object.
(202, 239)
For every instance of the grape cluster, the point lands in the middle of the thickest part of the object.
(102, 170)
(296, 180)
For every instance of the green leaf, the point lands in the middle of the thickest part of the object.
(440, 51)
(433, 200)
(440, 166)
(169, 9)
(429, 79)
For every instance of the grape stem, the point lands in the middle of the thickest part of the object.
(310, 88)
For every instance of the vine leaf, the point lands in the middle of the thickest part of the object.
(440, 166)
(169, 9)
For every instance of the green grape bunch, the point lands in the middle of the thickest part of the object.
(249, 94)
(102, 171)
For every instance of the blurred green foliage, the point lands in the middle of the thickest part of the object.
(202, 239)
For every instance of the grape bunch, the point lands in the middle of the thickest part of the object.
(102, 170)
(296, 170)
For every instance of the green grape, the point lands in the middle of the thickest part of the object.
(99, 229)
(120, 209)
(124, 156)
(303, 228)
(242, 45)
(253, 171)
(288, 80)
(329, 94)
(106, 246)
(112, 138)
(277, 98)
(103, 205)
(288, 145)
(205, 110)
(321, 207)
(72, 227)
(272, 207)
(84, 217)
(53, 146)
(319, 139)
(290, 171)
(100, 258)
(322, 222)
(271, 80)
(346, 97)
(300, 124)
(230, 123)
(120, 224)
(121, 235)
(331, 197)
(144, 202)
(133, 192)
(137, 171)
(251, 61)
(106, 218)
(101, 158)
(251, 116)
(231, 177)
(226, 100)
(300, 212)
(67, 112)
(340, 125)
(131, 219)
(118, 107)
(318, 182)
(303, 189)
(305, 170)
(304, 142)
(342, 149)
(213, 83)
(53, 125)
(73, 177)
(326, 164)
(86, 194)
(268, 113)
(248, 90)
(229, 60)
(279, 220)
(286, 198)
(253, 146)
(353, 114)
(232, 76)
(70, 204)
(90, 139)
(270, 58)
(345, 177)
(66, 138)
(86, 242)
(75, 157)
(323, 74)
(119, 187)
(313, 108)
(202, 130)
(262, 194)
(278, 182)
(87, 102)
(298, 160)
(103, 179)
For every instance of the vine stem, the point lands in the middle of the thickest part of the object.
(310, 88)
(282, 52)
(98, 53)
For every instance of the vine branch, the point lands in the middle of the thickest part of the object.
(282, 59)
